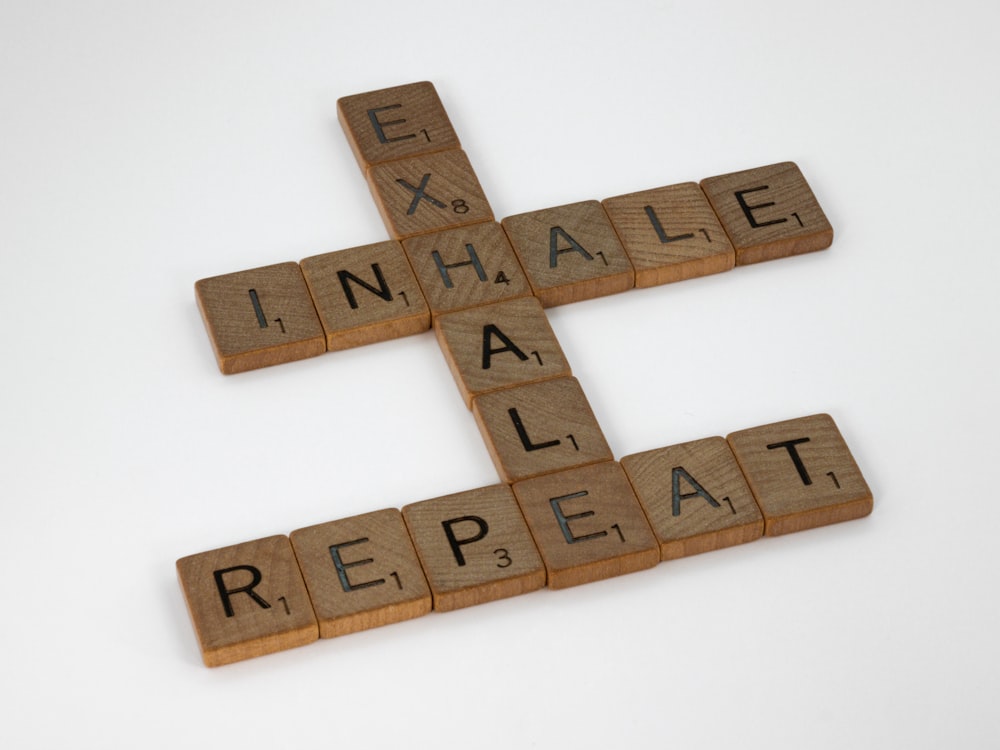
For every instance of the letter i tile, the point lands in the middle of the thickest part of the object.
(474, 547)
(694, 496)
(247, 600)
(802, 474)
(588, 524)
(361, 572)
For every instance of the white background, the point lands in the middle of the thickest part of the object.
(146, 145)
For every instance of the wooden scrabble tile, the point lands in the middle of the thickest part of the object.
(475, 547)
(465, 267)
(539, 428)
(395, 123)
(694, 496)
(260, 317)
(499, 346)
(670, 234)
(247, 600)
(587, 524)
(361, 572)
(365, 294)
(769, 212)
(802, 474)
(428, 193)
(570, 253)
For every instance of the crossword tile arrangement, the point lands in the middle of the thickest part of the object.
(566, 513)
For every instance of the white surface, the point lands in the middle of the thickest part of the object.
(144, 146)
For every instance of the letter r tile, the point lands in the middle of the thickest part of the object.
(769, 212)
(539, 428)
(475, 547)
(361, 572)
(247, 600)
(395, 123)
(694, 496)
(587, 524)
(365, 294)
(498, 346)
(801, 473)
(428, 193)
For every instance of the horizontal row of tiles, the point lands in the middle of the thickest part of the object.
(560, 530)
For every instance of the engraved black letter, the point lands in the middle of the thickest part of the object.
(655, 221)
(382, 137)
(224, 592)
(555, 252)
(473, 261)
(456, 544)
(381, 291)
(490, 330)
(523, 433)
(789, 445)
(564, 520)
(699, 491)
(342, 567)
(748, 210)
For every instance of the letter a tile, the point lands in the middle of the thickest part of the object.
(395, 123)
(670, 234)
(428, 193)
(247, 600)
(570, 253)
(587, 524)
(539, 428)
(260, 317)
(499, 346)
(365, 294)
(694, 496)
(361, 572)
(475, 547)
(802, 474)
(769, 212)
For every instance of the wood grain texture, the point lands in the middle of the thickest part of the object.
(395, 123)
(801, 473)
(465, 267)
(587, 524)
(499, 346)
(769, 212)
(539, 428)
(247, 600)
(365, 294)
(361, 572)
(474, 547)
(570, 253)
(694, 496)
(670, 234)
(428, 193)
(260, 317)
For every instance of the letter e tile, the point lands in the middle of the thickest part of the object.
(769, 212)
(475, 547)
(801, 473)
(539, 428)
(694, 496)
(587, 524)
(365, 294)
(259, 317)
(247, 600)
(361, 572)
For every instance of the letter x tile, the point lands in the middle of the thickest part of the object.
(802, 474)
(539, 428)
(247, 600)
(769, 212)
(428, 193)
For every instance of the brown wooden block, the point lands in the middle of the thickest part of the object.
(499, 346)
(769, 212)
(474, 547)
(361, 572)
(365, 294)
(801, 473)
(695, 497)
(247, 600)
(570, 253)
(539, 428)
(395, 123)
(670, 234)
(259, 317)
(428, 193)
(465, 267)
(587, 524)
